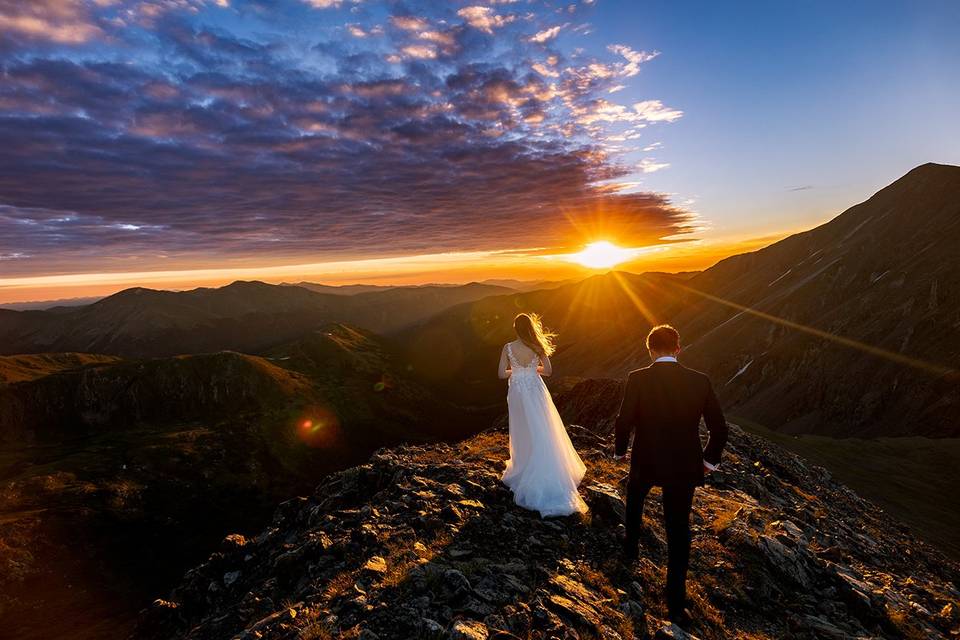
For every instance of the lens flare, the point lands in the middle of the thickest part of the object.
(318, 427)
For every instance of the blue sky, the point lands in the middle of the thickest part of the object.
(835, 99)
(178, 135)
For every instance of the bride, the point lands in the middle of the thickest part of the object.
(544, 469)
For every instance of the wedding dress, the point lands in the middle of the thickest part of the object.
(544, 469)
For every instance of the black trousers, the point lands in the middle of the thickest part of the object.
(677, 503)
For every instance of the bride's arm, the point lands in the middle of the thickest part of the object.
(503, 370)
(545, 368)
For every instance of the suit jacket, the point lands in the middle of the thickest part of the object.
(662, 404)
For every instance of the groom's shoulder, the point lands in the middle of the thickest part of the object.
(693, 373)
(639, 372)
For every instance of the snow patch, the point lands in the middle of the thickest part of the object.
(742, 369)
(782, 276)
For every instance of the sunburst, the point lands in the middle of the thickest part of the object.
(602, 254)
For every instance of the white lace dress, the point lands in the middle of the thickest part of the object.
(544, 470)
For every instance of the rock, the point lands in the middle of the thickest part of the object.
(789, 533)
(453, 585)
(673, 632)
(950, 613)
(233, 542)
(450, 513)
(468, 630)
(823, 629)
(432, 628)
(633, 610)
(230, 577)
(576, 612)
(605, 502)
(794, 563)
(376, 564)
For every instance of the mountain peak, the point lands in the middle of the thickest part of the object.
(931, 167)
(927, 175)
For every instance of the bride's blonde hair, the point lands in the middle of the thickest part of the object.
(532, 333)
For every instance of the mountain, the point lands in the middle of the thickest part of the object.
(115, 476)
(243, 316)
(599, 319)
(849, 329)
(528, 285)
(425, 542)
(341, 289)
(30, 367)
(49, 304)
(94, 398)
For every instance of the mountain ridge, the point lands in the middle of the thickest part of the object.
(825, 327)
(426, 542)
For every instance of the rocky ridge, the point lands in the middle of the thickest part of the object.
(424, 542)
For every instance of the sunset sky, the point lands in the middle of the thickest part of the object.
(174, 143)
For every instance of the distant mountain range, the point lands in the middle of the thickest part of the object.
(49, 304)
(243, 316)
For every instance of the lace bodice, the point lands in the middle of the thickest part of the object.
(522, 373)
(516, 365)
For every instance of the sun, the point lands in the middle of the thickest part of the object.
(602, 255)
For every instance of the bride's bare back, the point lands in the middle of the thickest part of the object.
(522, 356)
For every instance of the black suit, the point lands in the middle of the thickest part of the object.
(662, 405)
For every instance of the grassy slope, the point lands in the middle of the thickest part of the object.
(23, 368)
(915, 479)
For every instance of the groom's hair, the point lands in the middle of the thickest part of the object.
(663, 338)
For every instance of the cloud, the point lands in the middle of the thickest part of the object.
(324, 4)
(546, 35)
(649, 165)
(356, 31)
(420, 51)
(410, 23)
(213, 145)
(484, 18)
(634, 59)
(655, 111)
(59, 21)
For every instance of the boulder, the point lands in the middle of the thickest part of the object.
(605, 502)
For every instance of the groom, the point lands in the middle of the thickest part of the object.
(662, 404)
